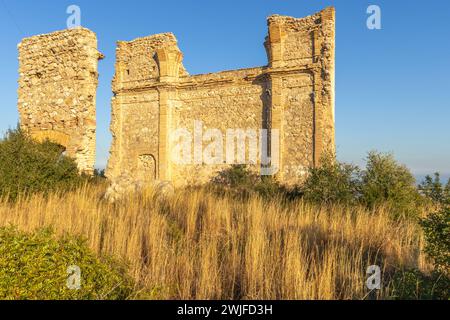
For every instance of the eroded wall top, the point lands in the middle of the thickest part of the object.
(138, 62)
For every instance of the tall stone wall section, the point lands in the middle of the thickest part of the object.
(294, 93)
(57, 91)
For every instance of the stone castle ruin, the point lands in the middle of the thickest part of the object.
(154, 97)
(57, 90)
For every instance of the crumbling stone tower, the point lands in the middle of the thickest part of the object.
(294, 93)
(57, 91)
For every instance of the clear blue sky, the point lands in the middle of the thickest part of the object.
(392, 85)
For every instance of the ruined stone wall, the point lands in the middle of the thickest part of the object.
(57, 91)
(154, 97)
(136, 108)
(302, 55)
(221, 101)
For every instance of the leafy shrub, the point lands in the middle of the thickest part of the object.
(386, 181)
(437, 236)
(434, 190)
(236, 176)
(447, 191)
(332, 182)
(99, 177)
(415, 285)
(238, 180)
(100, 173)
(34, 267)
(27, 166)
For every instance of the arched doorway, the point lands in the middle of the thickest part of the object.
(54, 136)
(146, 169)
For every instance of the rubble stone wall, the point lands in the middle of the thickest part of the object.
(57, 91)
(154, 97)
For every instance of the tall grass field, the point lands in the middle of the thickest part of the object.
(199, 245)
(240, 237)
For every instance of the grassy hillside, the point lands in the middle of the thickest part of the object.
(243, 236)
(198, 245)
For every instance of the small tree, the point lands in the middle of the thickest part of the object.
(386, 181)
(437, 236)
(236, 176)
(242, 182)
(434, 190)
(27, 166)
(447, 192)
(331, 182)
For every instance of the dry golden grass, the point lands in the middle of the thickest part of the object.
(195, 245)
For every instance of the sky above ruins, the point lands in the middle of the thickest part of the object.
(392, 85)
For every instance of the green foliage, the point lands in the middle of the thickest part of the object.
(27, 166)
(415, 285)
(238, 180)
(99, 177)
(434, 190)
(436, 226)
(437, 236)
(332, 182)
(236, 176)
(34, 267)
(99, 173)
(386, 181)
(447, 190)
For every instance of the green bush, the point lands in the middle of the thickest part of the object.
(332, 182)
(447, 191)
(238, 180)
(434, 190)
(415, 285)
(27, 166)
(383, 181)
(386, 181)
(99, 177)
(236, 176)
(437, 237)
(35, 267)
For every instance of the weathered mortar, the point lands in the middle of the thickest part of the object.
(153, 96)
(57, 91)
